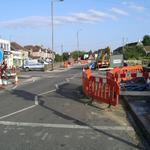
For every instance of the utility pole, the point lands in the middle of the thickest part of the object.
(52, 24)
(78, 43)
(62, 52)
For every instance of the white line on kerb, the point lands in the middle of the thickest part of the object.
(16, 112)
(66, 126)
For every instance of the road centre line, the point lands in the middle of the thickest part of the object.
(16, 112)
(66, 126)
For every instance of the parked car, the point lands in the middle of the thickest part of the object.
(32, 65)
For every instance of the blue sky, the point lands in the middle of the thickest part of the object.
(100, 23)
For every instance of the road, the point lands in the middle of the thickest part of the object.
(62, 120)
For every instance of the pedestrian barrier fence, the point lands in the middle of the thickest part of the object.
(118, 75)
(107, 89)
(66, 64)
(100, 89)
(83, 62)
(131, 69)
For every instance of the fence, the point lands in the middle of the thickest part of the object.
(100, 89)
(127, 73)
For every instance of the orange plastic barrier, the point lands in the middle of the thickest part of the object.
(131, 68)
(100, 89)
(127, 73)
(83, 62)
(124, 73)
(66, 64)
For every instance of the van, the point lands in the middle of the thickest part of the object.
(32, 65)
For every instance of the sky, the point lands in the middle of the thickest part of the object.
(99, 23)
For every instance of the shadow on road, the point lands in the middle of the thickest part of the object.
(74, 92)
(23, 94)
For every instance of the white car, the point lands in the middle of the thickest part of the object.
(33, 66)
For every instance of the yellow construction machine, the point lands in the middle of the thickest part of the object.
(103, 59)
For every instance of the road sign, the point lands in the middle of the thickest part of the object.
(1, 56)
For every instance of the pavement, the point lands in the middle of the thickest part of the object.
(139, 106)
(62, 119)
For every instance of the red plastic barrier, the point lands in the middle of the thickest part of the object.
(66, 64)
(125, 73)
(100, 89)
(83, 62)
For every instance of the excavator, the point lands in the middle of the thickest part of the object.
(103, 59)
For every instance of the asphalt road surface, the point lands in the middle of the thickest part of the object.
(62, 120)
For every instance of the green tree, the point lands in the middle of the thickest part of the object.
(146, 40)
(134, 52)
(76, 54)
(65, 56)
(58, 58)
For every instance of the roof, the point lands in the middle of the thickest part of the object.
(119, 50)
(37, 48)
(16, 47)
(132, 44)
(29, 47)
(33, 48)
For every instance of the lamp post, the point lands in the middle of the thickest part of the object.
(52, 21)
(78, 47)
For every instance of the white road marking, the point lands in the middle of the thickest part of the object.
(56, 85)
(61, 83)
(16, 112)
(45, 136)
(36, 101)
(66, 136)
(66, 126)
(15, 87)
(47, 92)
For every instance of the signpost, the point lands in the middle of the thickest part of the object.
(1, 56)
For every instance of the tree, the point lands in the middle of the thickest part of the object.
(58, 58)
(65, 56)
(134, 52)
(77, 54)
(146, 40)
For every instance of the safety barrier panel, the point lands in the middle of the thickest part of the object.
(83, 62)
(125, 76)
(126, 73)
(66, 64)
(131, 69)
(100, 89)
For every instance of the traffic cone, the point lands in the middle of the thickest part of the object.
(5, 82)
(1, 83)
(16, 79)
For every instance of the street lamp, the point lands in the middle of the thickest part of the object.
(52, 20)
(78, 41)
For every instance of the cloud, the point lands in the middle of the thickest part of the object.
(91, 16)
(119, 11)
(134, 6)
(31, 21)
(102, 14)
(137, 7)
